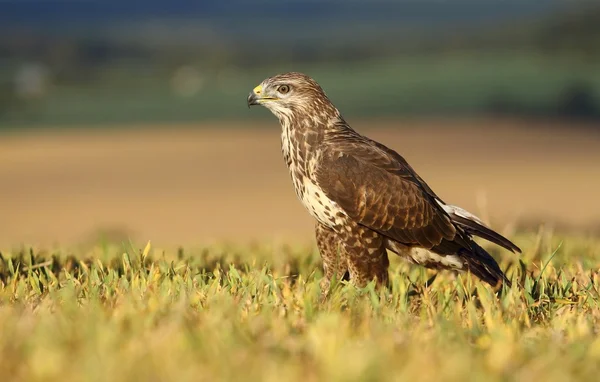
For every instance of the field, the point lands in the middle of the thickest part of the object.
(255, 313)
(182, 254)
(186, 185)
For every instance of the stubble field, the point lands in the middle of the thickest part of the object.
(229, 287)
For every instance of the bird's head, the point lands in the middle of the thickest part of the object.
(288, 93)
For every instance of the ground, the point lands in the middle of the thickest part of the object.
(228, 289)
(183, 185)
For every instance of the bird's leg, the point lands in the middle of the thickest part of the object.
(335, 265)
(367, 256)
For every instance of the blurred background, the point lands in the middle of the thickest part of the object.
(128, 119)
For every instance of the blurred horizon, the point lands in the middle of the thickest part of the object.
(91, 62)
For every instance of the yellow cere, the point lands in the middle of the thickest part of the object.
(257, 90)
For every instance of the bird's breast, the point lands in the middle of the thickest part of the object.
(325, 210)
(302, 160)
(313, 197)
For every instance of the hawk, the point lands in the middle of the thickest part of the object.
(365, 197)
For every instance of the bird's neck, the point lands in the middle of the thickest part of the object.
(308, 131)
(302, 135)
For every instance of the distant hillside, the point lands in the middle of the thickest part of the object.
(16, 11)
(249, 20)
(91, 33)
(111, 62)
(574, 29)
(95, 31)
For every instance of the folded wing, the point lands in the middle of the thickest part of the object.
(377, 192)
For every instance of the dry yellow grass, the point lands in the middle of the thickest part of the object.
(191, 184)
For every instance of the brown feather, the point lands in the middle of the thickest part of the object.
(402, 212)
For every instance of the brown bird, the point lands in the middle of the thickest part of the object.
(365, 197)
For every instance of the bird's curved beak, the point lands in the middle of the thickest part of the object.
(253, 98)
(257, 96)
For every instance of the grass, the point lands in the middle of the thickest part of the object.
(122, 313)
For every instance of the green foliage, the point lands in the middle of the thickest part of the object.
(256, 313)
(453, 83)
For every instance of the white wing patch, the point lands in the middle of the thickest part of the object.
(423, 256)
(455, 210)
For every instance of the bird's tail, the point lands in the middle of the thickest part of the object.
(483, 265)
(475, 226)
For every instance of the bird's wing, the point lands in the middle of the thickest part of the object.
(385, 158)
(380, 192)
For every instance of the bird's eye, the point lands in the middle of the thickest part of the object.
(283, 89)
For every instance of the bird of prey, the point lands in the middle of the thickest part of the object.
(365, 197)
